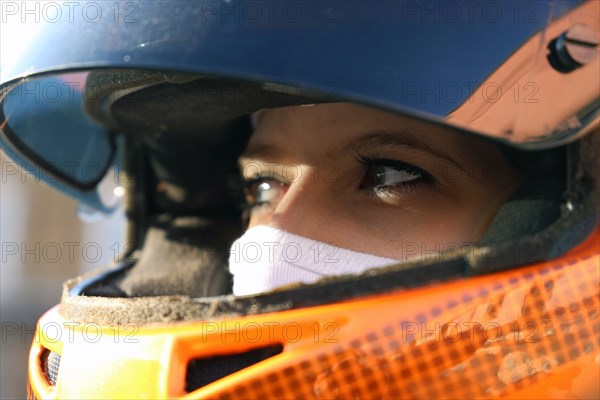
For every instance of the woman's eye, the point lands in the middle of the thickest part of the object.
(260, 191)
(392, 175)
(388, 176)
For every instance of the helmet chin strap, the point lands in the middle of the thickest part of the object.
(266, 258)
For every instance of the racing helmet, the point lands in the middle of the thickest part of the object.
(148, 104)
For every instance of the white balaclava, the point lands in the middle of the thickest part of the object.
(266, 258)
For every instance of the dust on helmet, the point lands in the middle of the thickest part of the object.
(158, 94)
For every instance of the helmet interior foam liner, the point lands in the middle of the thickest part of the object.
(165, 97)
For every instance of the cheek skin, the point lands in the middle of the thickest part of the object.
(258, 218)
(404, 231)
(407, 231)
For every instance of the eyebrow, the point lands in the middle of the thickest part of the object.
(381, 138)
(398, 138)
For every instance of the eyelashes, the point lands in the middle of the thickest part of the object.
(390, 177)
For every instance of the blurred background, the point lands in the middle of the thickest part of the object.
(43, 243)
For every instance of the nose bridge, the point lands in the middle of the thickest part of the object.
(306, 203)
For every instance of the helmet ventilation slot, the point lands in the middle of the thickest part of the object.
(50, 363)
(202, 371)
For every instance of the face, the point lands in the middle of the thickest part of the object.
(371, 181)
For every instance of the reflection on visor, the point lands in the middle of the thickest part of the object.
(44, 119)
(46, 130)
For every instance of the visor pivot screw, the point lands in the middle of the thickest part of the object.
(573, 48)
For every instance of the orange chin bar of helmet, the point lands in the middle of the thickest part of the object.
(532, 332)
